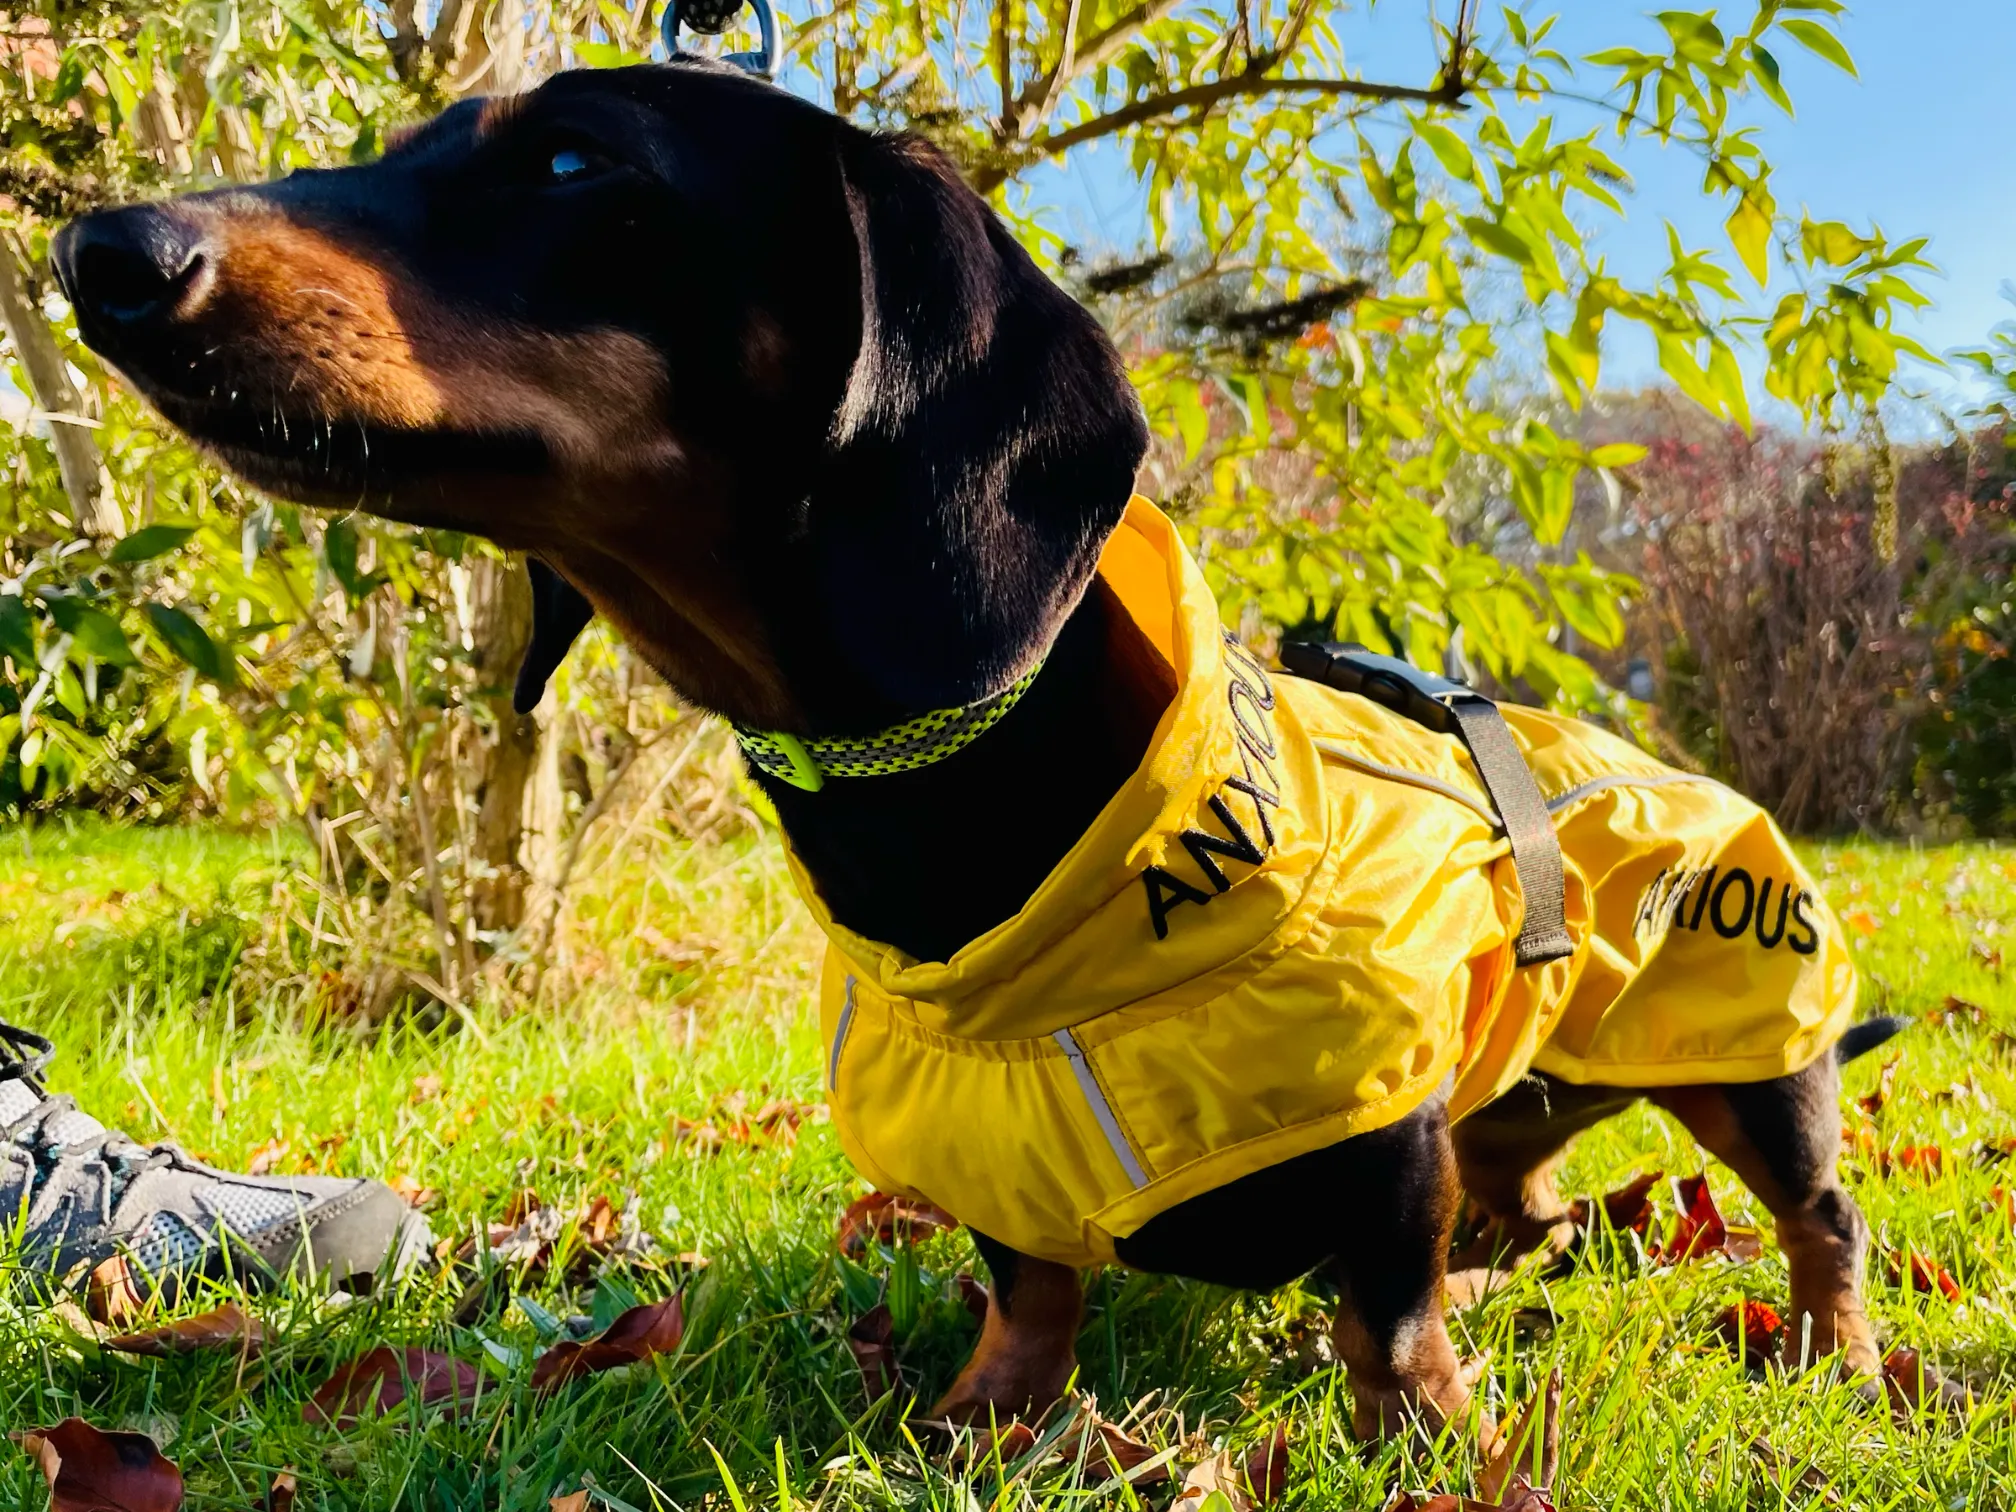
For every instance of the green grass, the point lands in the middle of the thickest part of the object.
(140, 951)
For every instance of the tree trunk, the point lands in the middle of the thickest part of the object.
(92, 508)
(500, 628)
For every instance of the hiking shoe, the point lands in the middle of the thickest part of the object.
(74, 1194)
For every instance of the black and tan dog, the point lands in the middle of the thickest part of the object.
(785, 403)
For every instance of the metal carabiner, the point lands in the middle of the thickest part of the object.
(712, 17)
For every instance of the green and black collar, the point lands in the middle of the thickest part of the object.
(905, 747)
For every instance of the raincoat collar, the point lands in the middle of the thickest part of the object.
(1136, 908)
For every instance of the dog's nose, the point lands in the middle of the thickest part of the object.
(126, 270)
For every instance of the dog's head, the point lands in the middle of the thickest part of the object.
(781, 397)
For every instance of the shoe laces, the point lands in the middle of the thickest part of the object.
(24, 1055)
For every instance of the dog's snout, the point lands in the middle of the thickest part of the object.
(128, 270)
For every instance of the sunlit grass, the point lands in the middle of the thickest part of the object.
(134, 947)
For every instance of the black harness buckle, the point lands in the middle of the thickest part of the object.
(1449, 708)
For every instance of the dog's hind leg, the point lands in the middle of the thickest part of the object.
(1028, 1345)
(1508, 1154)
(1397, 1194)
(1783, 1137)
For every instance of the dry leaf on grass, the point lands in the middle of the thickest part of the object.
(652, 1329)
(1779, 1468)
(1627, 1210)
(1914, 1386)
(1921, 1273)
(114, 1295)
(871, 1338)
(1252, 1480)
(1505, 1481)
(1752, 1331)
(227, 1327)
(89, 1470)
(1470, 1287)
(1886, 1082)
(573, 1501)
(383, 1379)
(280, 1495)
(1700, 1231)
(884, 1219)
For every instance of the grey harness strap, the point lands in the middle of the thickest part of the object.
(1449, 708)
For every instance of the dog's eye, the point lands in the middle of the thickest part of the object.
(572, 163)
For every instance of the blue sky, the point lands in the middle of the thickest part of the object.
(1920, 144)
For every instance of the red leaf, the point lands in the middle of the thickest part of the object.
(1886, 1080)
(1926, 1274)
(1752, 1331)
(381, 1380)
(1507, 1476)
(1925, 1161)
(871, 1338)
(226, 1327)
(1700, 1230)
(886, 1220)
(89, 1470)
(653, 1329)
(1913, 1385)
(1266, 1467)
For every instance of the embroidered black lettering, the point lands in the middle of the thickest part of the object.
(1727, 928)
(1205, 847)
(1262, 801)
(1250, 758)
(1165, 891)
(1253, 731)
(1675, 901)
(1811, 940)
(1706, 881)
(1770, 942)
(1648, 904)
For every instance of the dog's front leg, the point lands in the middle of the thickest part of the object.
(1400, 1191)
(1029, 1344)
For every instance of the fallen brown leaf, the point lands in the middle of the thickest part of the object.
(1752, 1331)
(1009, 1441)
(1886, 1081)
(1923, 1272)
(280, 1495)
(1505, 1477)
(871, 1338)
(885, 1219)
(652, 1329)
(573, 1501)
(1700, 1230)
(382, 1379)
(1469, 1287)
(227, 1327)
(1913, 1385)
(412, 1193)
(1627, 1210)
(1266, 1467)
(114, 1295)
(89, 1470)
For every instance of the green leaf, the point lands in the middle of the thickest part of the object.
(1616, 454)
(1749, 228)
(1450, 150)
(93, 631)
(1767, 76)
(190, 641)
(150, 541)
(1493, 237)
(17, 631)
(1822, 43)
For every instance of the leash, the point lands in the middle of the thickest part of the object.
(710, 18)
(1449, 708)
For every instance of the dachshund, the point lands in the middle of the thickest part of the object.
(784, 402)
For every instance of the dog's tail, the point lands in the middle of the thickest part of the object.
(1868, 1035)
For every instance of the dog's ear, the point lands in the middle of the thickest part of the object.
(559, 614)
(985, 446)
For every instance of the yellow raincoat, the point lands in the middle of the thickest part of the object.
(1292, 925)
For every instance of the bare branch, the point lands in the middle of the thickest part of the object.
(1250, 84)
(1004, 70)
(92, 507)
(1079, 59)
